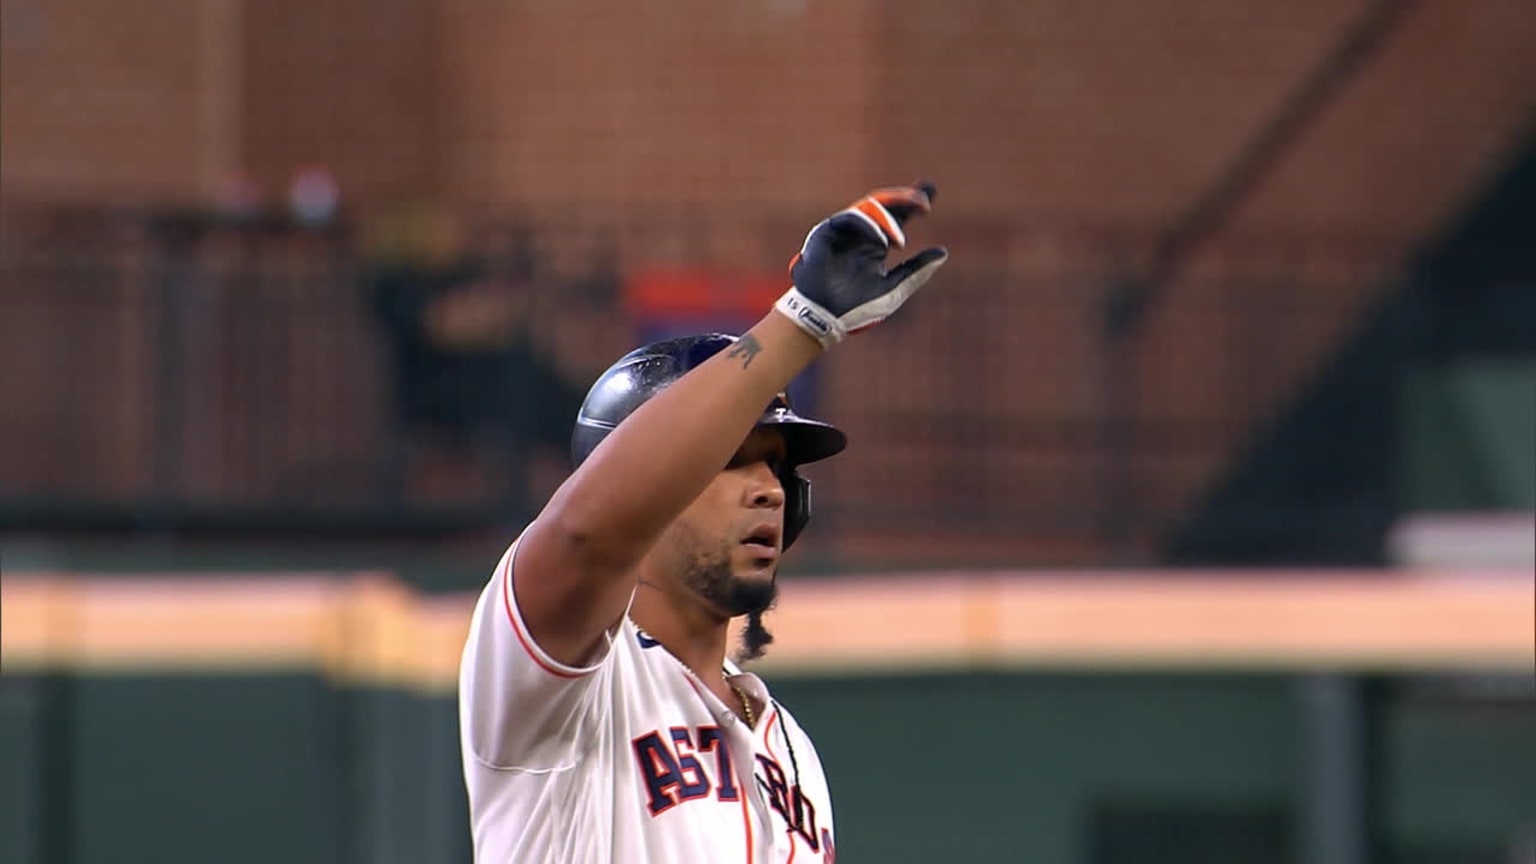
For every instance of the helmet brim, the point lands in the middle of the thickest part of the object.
(805, 440)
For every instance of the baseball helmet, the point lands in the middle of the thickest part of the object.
(646, 371)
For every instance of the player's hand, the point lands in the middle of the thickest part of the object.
(841, 285)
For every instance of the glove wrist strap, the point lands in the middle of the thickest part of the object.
(811, 317)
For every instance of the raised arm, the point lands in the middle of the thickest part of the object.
(575, 567)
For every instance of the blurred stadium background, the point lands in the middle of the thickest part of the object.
(1189, 515)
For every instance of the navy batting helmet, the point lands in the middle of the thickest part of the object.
(646, 371)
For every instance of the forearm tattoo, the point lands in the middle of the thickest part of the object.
(747, 347)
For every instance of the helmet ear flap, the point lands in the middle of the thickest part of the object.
(797, 504)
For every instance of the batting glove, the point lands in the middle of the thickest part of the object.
(841, 285)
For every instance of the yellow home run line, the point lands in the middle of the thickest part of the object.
(369, 628)
(364, 628)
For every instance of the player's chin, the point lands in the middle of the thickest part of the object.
(751, 591)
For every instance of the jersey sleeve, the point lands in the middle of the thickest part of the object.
(519, 707)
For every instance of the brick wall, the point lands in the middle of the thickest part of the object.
(1117, 110)
(691, 102)
(102, 104)
(1113, 111)
(348, 84)
(1063, 135)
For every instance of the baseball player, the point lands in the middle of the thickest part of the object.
(600, 717)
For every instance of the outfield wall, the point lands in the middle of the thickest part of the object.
(1077, 718)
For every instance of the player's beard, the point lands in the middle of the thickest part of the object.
(714, 579)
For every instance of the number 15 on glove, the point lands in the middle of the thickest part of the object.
(841, 285)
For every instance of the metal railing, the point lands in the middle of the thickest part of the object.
(182, 372)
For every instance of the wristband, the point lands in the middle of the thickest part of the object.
(811, 317)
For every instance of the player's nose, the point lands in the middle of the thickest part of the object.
(764, 489)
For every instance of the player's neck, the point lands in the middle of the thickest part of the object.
(693, 634)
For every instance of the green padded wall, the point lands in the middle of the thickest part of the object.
(255, 768)
(1469, 437)
(1007, 767)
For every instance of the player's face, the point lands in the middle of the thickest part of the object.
(732, 534)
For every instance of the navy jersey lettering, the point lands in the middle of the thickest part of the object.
(660, 769)
(791, 802)
(711, 739)
(694, 782)
(673, 773)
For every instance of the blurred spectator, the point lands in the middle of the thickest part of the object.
(467, 373)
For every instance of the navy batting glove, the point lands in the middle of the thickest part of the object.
(841, 285)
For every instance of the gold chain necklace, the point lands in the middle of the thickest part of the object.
(746, 704)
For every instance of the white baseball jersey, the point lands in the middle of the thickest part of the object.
(628, 760)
